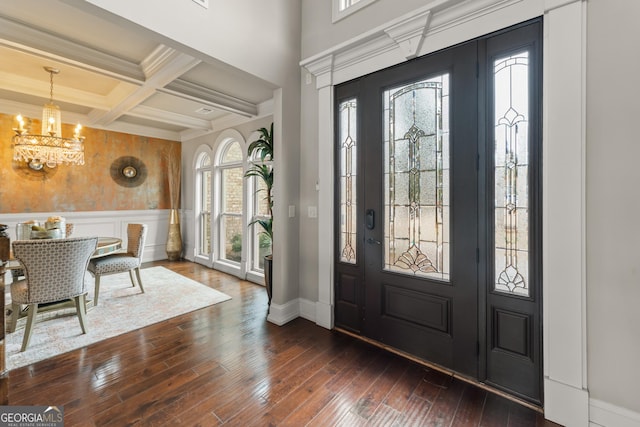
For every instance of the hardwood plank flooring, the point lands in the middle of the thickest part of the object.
(226, 365)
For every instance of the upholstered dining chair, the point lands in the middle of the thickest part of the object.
(54, 272)
(121, 262)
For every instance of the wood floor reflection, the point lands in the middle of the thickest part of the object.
(225, 365)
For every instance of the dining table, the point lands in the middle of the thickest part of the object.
(106, 246)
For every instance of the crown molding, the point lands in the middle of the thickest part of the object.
(18, 36)
(399, 40)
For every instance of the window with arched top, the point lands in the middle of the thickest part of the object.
(230, 224)
(226, 204)
(204, 205)
(259, 211)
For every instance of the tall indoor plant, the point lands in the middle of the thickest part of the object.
(262, 148)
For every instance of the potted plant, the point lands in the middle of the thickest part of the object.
(262, 148)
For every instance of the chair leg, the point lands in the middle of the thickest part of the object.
(139, 279)
(133, 283)
(31, 318)
(15, 314)
(96, 291)
(81, 310)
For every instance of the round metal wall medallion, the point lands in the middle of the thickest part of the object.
(128, 171)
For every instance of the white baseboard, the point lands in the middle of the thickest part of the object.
(608, 415)
(307, 309)
(565, 405)
(324, 315)
(282, 314)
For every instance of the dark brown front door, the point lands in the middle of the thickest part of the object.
(437, 200)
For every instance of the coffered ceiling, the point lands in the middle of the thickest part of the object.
(116, 75)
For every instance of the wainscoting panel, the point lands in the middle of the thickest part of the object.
(106, 223)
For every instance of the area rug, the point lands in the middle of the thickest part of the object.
(122, 308)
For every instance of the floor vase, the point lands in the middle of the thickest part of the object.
(174, 238)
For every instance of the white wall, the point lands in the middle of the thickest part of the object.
(613, 202)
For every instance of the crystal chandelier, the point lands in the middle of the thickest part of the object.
(49, 148)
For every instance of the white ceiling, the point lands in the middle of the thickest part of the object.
(116, 75)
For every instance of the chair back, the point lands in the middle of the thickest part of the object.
(54, 268)
(136, 236)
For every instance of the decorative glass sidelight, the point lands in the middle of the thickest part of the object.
(416, 139)
(348, 136)
(511, 211)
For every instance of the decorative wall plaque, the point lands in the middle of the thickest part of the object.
(128, 171)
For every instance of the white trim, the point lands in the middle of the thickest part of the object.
(193, 249)
(253, 242)
(563, 217)
(228, 267)
(324, 314)
(222, 143)
(605, 414)
(307, 309)
(337, 14)
(442, 26)
(564, 404)
(282, 314)
(255, 277)
(326, 154)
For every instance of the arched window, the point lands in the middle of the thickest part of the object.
(230, 224)
(203, 181)
(259, 210)
(226, 204)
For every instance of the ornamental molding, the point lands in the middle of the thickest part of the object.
(409, 34)
(398, 40)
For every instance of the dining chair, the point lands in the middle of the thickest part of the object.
(54, 272)
(121, 262)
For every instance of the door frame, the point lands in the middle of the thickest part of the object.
(563, 177)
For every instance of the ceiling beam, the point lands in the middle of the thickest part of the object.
(210, 97)
(162, 66)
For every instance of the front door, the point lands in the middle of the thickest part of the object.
(428, 243)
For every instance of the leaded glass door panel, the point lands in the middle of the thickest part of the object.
(412, 275)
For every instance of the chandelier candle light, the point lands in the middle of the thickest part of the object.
(49, 148)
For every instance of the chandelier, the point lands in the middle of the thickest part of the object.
(49, 148)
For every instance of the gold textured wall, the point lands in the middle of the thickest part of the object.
(91, 187)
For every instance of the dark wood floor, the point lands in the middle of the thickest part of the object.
(225, 365)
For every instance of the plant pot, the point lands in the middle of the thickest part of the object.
(174, 238)
(268, 275)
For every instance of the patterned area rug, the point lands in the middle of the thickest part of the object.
(122, 309)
